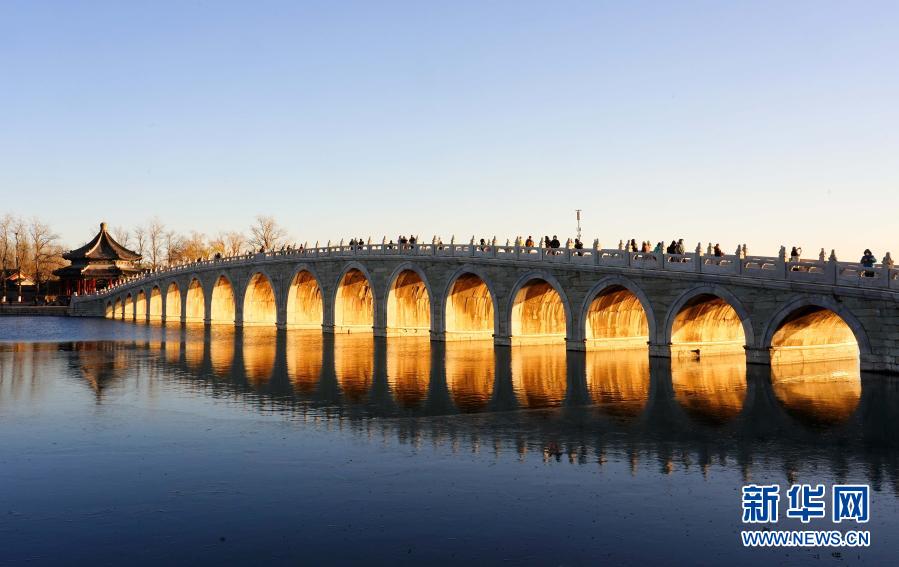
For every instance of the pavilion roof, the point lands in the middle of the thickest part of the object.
(102, 247)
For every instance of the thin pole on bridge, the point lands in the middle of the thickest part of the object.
(578, 212)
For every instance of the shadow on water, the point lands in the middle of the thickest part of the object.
(536, 398)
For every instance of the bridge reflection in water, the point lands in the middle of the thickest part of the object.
(582, 403)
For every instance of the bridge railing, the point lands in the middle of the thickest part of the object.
(755, 267)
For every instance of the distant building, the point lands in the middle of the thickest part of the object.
(96, 265)
(14, 285)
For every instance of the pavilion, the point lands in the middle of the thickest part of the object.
(96, 265)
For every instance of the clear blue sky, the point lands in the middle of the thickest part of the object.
(763, 122)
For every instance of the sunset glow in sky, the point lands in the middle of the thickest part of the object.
(765, 122)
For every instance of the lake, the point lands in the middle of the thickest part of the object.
(148, 444)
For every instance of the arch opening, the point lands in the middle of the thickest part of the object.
(538, 314)
(173, 303)
(222, 309)
(117, 310)
(195, 305)
(304, 302)
(469, 309)
(155, 305)
(109, 313)
(709, 325)
(408, 305)
(354, 309)
(813, 333)
(259, 304)
(616, 319)
(140, 306)
(129, 307)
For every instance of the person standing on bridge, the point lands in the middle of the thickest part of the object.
(555, 244)
(795, 253)
(529, 243)
(680, 248)
(868, 260)
(717, 251)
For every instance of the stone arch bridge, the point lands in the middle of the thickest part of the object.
(694, 304)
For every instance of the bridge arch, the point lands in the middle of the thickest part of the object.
(128, 310)
(109, 313)
(617, 313)
(820, 325)
(260, 304)
(409, 301)
(117, 310)
(173, 302)
(305, 302)
(195, 302)
(470, 305)
(708, 318)
(538, 310)
(140, 306)
(154, 304)
(223, 304)
(354, 300)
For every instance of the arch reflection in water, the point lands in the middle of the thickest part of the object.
(618, 382)
(712, 391)
(221, 349)
(470, 374)
(195, 340)
(820, 393)
(304, 359)
(259, 347)
(409, 369)
(539, 375)
(354, 365)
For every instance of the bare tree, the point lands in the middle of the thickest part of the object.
(194, 246)
(228, 243)
(157, 239)
(140, 240)
(7, 222)
(266, 233)
(173, 245)
(43, 248)
(121, 235)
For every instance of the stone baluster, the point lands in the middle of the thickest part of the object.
(887, 270)
(833, 267)
(782, 261)
(822, 256)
